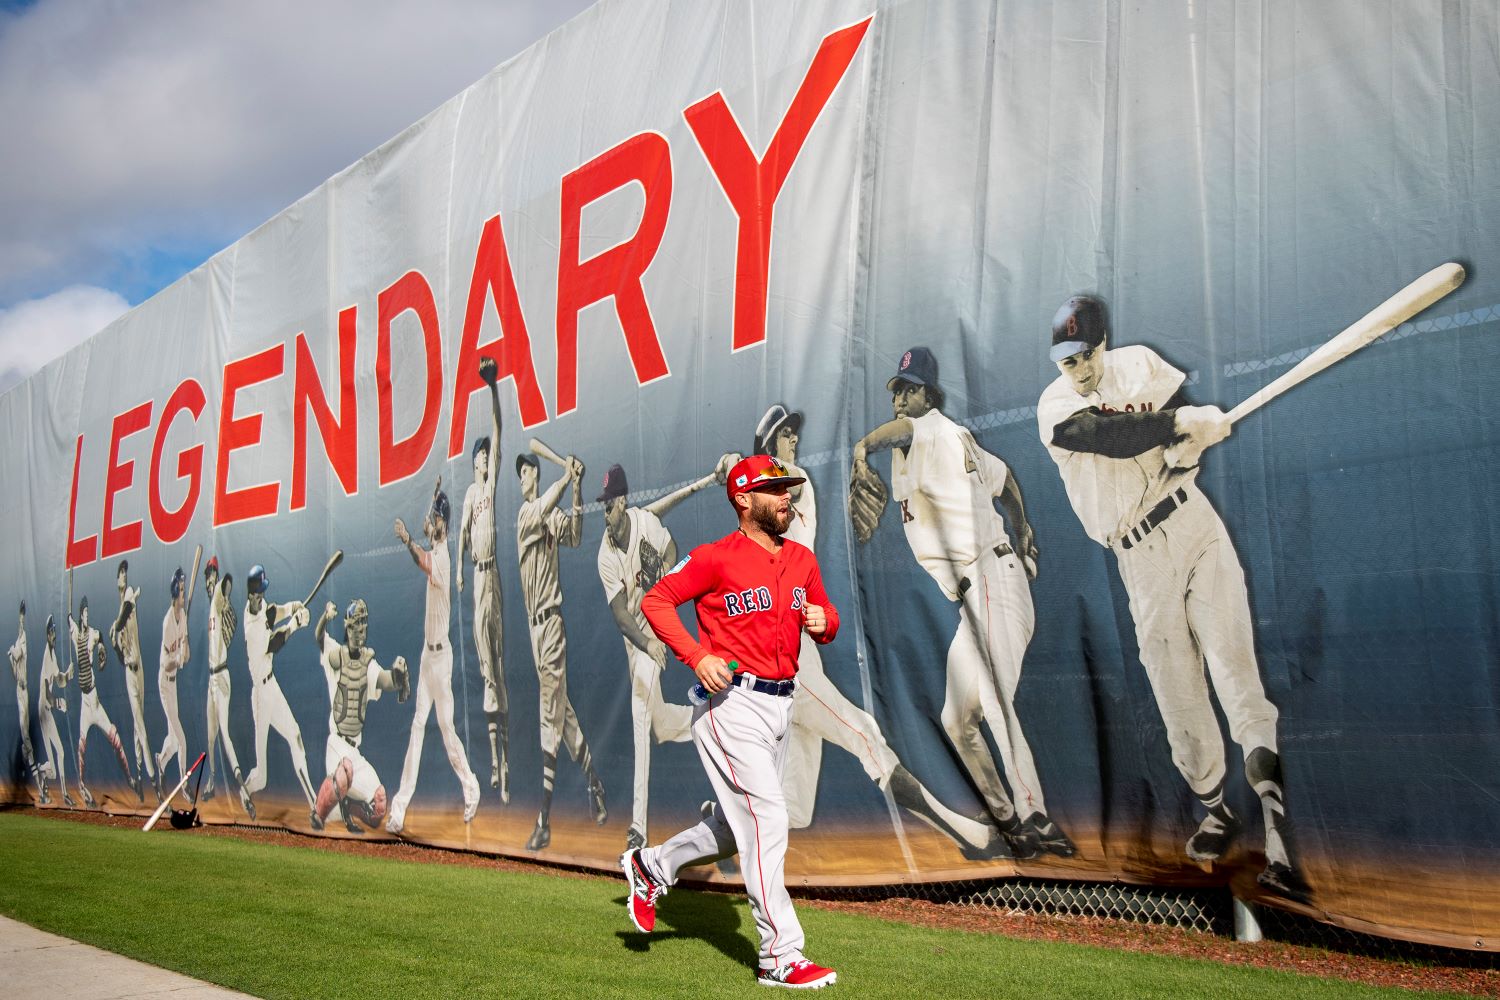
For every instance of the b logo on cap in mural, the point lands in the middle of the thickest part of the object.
(1072, 325)
(906, 361)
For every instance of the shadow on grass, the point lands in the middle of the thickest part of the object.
(711, 917)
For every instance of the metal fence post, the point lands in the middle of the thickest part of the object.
(1246, 926)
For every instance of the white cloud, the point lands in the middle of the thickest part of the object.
(34, 332)
(145, 127)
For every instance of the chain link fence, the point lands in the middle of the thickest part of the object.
(1206, 911)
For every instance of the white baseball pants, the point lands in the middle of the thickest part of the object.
(650, 715)
(741, 737)
(995, 624)
(434, 693)
(271, 711)
(1190, 605)
(822, 713)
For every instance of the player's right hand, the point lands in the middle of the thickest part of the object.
(330, 610)
(713, 673)
(658, 651)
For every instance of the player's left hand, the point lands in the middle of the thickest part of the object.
(300, 617)
(814, 619)
(658, 651)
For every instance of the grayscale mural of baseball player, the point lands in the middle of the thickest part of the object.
(540, 529)
(1108, 422)
(476, 535)
(267, 628)
(17, 654)
(222, 625)
(634, 552)
(89, 660)
(435, 675)
(355, 679)
(125, 637)
(946, 488)
(175, 653)
(52, 696)
(821, 713)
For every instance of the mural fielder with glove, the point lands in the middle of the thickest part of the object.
(946, 488)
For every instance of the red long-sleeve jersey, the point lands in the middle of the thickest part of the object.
(749, 604)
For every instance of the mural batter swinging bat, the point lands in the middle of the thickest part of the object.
(1384, 318)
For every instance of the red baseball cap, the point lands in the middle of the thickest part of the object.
(756, 472)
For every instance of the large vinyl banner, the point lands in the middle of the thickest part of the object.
(365, 506)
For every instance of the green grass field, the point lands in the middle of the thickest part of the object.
(304, 923)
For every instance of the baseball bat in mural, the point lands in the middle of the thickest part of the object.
(333, 562)
(540, 450)
(1415, 297)
(197, 561)
(1384, 318)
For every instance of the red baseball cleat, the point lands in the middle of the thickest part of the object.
(798, 975)
(644, 892)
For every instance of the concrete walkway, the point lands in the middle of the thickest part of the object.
(35, 965)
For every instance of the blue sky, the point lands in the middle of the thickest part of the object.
(143, 137)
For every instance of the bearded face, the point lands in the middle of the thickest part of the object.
(771, 510)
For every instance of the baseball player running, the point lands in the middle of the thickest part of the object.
(476, 533)
(946, 487)
(540, 529)
(820, 710)
(175, 653)
(1107, 421)
(125, 637)
(267, 628)
(636, 547)
(435, 685)
(754, 592)
(52, 695)
(354, 680)
(88, 651)
(222, 625)
(17, 654)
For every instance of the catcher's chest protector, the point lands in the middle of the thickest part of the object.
(85, 664)
(353, 692)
